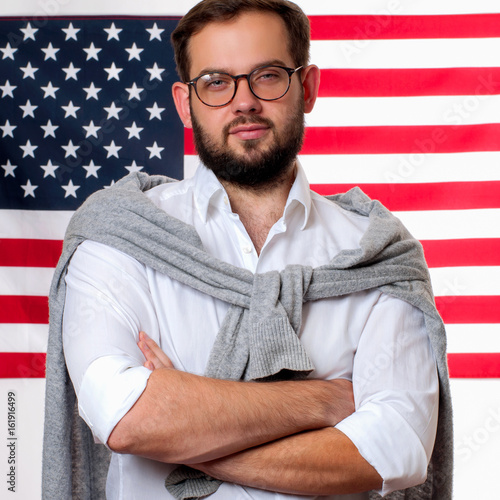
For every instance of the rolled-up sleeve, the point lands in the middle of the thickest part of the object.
(107, 303)
(396, 391)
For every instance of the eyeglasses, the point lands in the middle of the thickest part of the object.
(267, 83)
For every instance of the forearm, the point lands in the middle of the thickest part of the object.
(320, 462)
(184, 418)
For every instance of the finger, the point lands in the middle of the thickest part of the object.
(152, 352)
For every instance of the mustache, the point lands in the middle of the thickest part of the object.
(246, 120)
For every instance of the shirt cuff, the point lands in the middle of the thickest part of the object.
(388, 443)
(109, 388)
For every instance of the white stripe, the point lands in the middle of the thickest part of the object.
(465, 281)
(191, 163)
(424, 110)
(397, 7)
(473, 338)
(423, 53)
(23, 338)
(452, 224)
(358, 169)
(310, 7)
(25, 280)
(38, 224)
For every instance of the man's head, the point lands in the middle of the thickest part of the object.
(217, 11)
(250, 140)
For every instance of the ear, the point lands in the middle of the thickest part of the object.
(180, 93)
(310, 81)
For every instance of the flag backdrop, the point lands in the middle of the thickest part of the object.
(409, 110)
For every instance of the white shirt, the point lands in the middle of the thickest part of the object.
(377, 341)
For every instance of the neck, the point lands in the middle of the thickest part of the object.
(260, 208)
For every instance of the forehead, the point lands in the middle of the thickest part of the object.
(240, 45)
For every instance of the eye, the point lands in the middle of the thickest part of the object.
(267, 76)
(215, 82)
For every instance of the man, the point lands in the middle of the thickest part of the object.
(246, 85)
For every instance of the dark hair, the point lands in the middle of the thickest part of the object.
(209, 11)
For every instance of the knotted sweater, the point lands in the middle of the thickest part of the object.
(258, 337)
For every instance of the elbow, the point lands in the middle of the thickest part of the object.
(120, 440)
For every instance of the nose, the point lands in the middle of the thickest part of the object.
(244, 101)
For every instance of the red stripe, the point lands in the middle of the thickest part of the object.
(425, 196)
(455, 253)
(30, 253)
(387, 27)
(22, 365)
(415, 140)
(24, 309)
(469, 310)
(477, 365)
(409, 82)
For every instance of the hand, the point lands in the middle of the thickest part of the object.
(155, 357)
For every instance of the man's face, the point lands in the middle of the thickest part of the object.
(249, 142)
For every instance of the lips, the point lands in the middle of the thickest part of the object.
(248, 132)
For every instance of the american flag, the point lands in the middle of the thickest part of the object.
(409, 110)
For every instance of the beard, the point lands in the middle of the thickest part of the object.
(255, 168)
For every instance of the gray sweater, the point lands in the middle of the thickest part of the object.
(266, 310)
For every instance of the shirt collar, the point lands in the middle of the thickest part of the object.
(209, 191)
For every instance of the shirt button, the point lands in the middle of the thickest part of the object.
(226, 201)
(247, 249)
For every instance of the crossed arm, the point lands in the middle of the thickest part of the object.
(277, 436)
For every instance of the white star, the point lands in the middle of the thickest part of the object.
(49, 129)
(9, 169)
(92, 52)
(92, 91)
(113, 71)
(111, 184)
(71, 71)
(71, 32)
(134, 131)
(29, 189)
(28, 109)
(7, 89)
(50, 91)
(134, 92)
(155, 111)
(29, 71)
(112, 149)
(113, 32)
(155, 72)
(50, 52)
(91, 129)
(70, 189)
(70, 109)
(70, 149)
(91, 169)
(134, 52)
(113, 111)
(28, 149)
(155, 150)
(155, 32)
(29, 32)
(49, 169)
(8, 129)
(134, 167)
(8, 52)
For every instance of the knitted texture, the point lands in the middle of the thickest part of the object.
(258, 337)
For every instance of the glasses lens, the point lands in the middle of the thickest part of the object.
(215, 89)
(270, 82)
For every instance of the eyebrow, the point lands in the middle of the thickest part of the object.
(271, 62)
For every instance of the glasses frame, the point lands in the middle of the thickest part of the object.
(236, 79)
